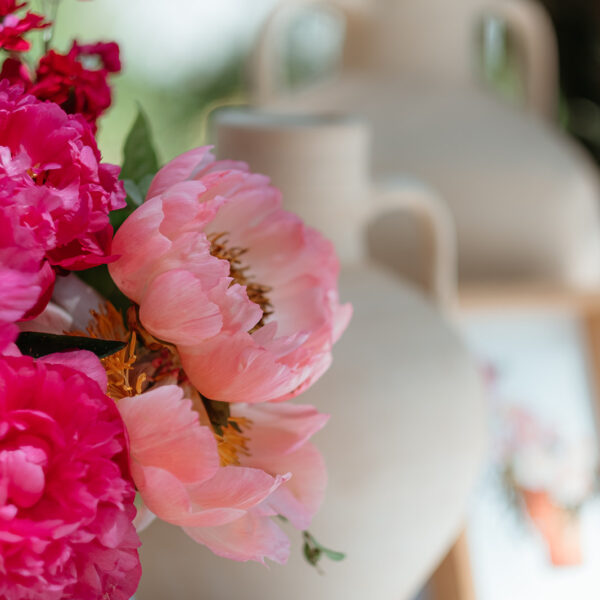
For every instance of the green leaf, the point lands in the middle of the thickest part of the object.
(313, 551)
(135, 197)
(144, 184)
(333, 554)
(312, 555)
(139, 156)
(38, 344)
(140, 164)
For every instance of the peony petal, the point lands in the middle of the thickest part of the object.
(19, 293)
(131, 270)
(77, 299)
(169, 499)
(180, 169)
(80, 360)
(165, 432)
(238, 311)
(250, 538)
(53, 319)
(301, 497)
(235, 486)
(191, 316)
(279, 429)
(8, 334)
(258, 375)
(222, 499)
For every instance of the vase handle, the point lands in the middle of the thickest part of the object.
(435, 222)
(265, 67)
(533, 28)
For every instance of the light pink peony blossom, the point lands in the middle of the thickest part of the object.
(55, 189)
(66, 499)
(245, 290)
(175, 465)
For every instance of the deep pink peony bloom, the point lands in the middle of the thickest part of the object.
(21, 260)
(245, 290)
(175, 465)
(66, 501)
(55, 194)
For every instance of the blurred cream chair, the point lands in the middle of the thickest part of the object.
(524, 197)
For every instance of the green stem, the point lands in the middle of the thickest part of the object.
(51, 12)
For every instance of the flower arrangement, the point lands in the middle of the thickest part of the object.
(160, 386)
(548, 478)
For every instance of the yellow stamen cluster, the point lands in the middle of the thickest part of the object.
(257, 292)
(233, 443)
(107, 324)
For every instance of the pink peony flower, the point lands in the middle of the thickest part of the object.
(560, 527)
(55, 194)
(66, 502)
(175, 465)
(245, 290)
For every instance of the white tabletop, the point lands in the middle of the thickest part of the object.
(403, 449)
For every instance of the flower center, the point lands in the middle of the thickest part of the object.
(107, 324)
(239, 272)
(38, 177)
(228, 430)
(232, 443)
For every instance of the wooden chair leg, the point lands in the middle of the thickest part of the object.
(452, 580)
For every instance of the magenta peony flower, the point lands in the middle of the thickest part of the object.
(245, 290)
(177, 469)
(54, 186)
(66, 501)
(22, 273)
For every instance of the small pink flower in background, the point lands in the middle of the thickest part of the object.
(13, 27)
(108, 54)
(66, 501)
(176, 467)
(16, 72)
(559, 527)
(245, 290)
(55, 188)
(77, 88)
